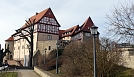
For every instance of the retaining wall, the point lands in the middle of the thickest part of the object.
(43, 73)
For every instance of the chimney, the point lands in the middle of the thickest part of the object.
(36, 13)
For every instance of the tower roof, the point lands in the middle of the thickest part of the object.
(87, 24)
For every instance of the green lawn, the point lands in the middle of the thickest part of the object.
(126, 73)
(8, 74)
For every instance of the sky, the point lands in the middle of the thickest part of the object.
(13, 13)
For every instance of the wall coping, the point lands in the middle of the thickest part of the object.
(43, 73)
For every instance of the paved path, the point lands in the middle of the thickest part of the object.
(26, 73)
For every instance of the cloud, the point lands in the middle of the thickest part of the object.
(68, 12)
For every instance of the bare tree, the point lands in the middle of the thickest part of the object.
(26, 33)
(108, 58)
(78, 59)
(121, 21)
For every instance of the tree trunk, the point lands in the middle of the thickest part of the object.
(31, 52)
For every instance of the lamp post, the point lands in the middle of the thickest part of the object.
(94, 32)
(45, 55)
(57, 58)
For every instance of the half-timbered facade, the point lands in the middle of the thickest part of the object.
(67, 34)
(46, 28)
(81, 33)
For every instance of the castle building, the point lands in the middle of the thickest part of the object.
(81, 33)
(46, 34)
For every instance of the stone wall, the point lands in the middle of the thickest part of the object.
(49, 45)
(43, 73)
(128, 57)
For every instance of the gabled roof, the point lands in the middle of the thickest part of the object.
(76, 29)
(87, 24)
(10, 39)
(47, 13)
(71, 30)
(84, 27)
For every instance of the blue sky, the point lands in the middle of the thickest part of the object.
(13, 13)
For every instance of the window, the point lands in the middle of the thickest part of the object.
(49, 37)
(49, 48)
(50, 28)
(57, 29)
(87, 34)
(46, 27)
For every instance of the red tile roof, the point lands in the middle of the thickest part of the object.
(10, 39)
(87, 24)
(47, 13)
(71, 30)
(76, 29)
(60, 33)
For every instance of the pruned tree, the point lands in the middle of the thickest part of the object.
(121, 22)
(27, 33)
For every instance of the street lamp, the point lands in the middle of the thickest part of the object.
(94, 32)
(45, 55)
(57, 44)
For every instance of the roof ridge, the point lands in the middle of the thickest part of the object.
(37, 17)
(71, 27)
(88, 20)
